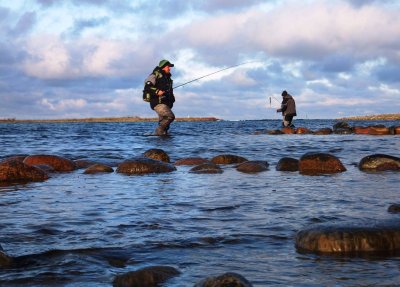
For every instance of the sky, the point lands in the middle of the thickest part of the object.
(89, 58)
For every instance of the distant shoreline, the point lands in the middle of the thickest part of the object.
(387, 117)
(108, 120)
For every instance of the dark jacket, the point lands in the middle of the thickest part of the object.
(288, 106)
(159, 80)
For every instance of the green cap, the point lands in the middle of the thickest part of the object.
(164, 63)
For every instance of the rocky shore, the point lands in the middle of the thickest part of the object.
(385, 117)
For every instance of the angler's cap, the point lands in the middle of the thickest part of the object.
(284, 93)
(164, 63)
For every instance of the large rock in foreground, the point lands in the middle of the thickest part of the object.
(320, 163)
(288, 164)
(379, 162)
(58, 163)
(17, 171)
(151, 276)
(229, 279)
(351, 239)
(144, 165)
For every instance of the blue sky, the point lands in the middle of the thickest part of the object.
(89, 58)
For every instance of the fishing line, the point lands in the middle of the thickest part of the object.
(216, 73)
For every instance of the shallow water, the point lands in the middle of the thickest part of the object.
(82, 230)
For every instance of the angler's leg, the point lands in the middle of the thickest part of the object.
(165, 118)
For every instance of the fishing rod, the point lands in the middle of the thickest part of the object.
(215, 73)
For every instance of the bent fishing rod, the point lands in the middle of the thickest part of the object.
(231, 67)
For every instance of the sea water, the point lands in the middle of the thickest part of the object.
(82, 230)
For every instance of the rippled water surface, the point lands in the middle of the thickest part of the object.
(82, 230)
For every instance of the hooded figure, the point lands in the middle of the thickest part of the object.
(159, 92)
(288, 109)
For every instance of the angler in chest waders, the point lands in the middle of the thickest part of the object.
(288, 109)
(158, 91)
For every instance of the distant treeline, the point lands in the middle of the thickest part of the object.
(388, 117)
(108, 119)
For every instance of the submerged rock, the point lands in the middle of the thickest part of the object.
(394, 208)
(350, 239)
(58, 163)
(17, 171)
(157, 154)
(151, 276)
(228, 159)
(143, 165)
(5, 260)
(323, 131)
(98, 168)
(288, 164)
(320, 163)
(191, 161)
(229, 279)
(253, 166)
(275, 132)
(207, 168)
(304, 131)
(84, 163)
(287, 130)
(379, 162)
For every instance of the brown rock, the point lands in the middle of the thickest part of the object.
(253, 166)
(229, 279)
(275, 132)
(287, 130)
(288, 164)
(361, 130)
(302, 130)
(323, 131)
(151, 276)
(191, 161)
(58, 163)
(228, 159)
(379, 162)
(379, 130)
(14, 157)
(84, 163)
(5, 260)
(320, 163)
(143, 165)
(157, 154)
(17, 171)
(350, 239)
(397, 130)
(394, 208)
(207, 168)
(98, 168)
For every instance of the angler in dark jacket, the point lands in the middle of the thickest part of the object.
(288, 109)
(159, 92)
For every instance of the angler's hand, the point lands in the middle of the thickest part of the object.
(160, 93)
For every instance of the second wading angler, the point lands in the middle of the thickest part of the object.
(159, 93)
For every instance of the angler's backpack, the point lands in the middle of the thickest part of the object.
(146, 91)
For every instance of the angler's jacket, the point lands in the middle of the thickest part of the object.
(288, 106)
(159, 80)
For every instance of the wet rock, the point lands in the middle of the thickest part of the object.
(151, 276)
(397, 130)
(253, 166)
(191, 161)
(361, 130)
(98, 168)
(5, 260)
(58, 163)
(228, 159)
(275, 132)
(84, 163)
(143, 165)
(207, 168)
(288, 164)
(229, 279)
(394, 208)
(14, 157)
(320, 163)
(304, 131)
(350, 239)
(392, 130)
(17, 171)
(323, 131)
(288, 130)
(157, 154)
(342, 128)
(379, 162)
(379, 130)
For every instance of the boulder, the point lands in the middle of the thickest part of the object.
(58, 163)
(287, 130)
(361, 130)
(379, 162)
(191, 161)
(207, 168)
(350, 239)
(5, 260)
(342, 128)
(143, 165)
(229, 279)
(394, 208)
(304, 131)
(288, 164)
(397, 130)
(320, 163)
(98, 168)
(17, 171)
(151, 276)
(157, 154)
(323, 131)
(228, 159)
(275, 132)
(14, 157)
(84, 163)
(253, 166)
(379, 130)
